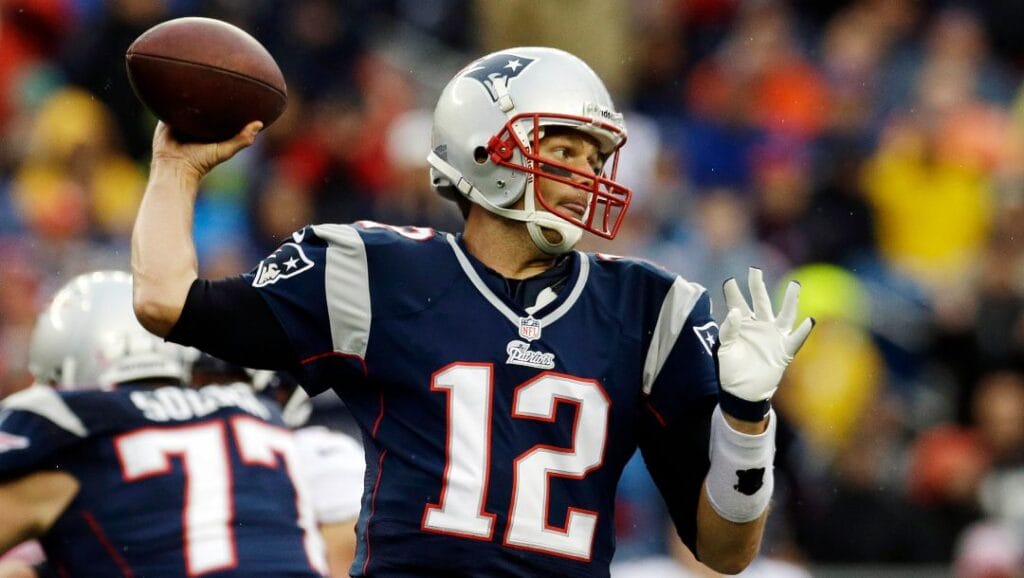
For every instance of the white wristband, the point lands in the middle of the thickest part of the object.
(740, 481)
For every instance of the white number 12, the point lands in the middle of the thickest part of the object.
(460, 510)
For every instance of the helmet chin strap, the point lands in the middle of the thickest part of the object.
(568, 233)
(536, 220)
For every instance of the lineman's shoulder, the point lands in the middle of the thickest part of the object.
(41, 402)
(36, 426)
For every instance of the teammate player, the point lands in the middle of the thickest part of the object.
(121, 471)
(501, 379)
(331, 461)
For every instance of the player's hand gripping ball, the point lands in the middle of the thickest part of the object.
(205, 78)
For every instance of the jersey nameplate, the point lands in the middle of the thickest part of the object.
(179, 404)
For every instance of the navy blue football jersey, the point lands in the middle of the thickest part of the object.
(174, 481)
(494, 435)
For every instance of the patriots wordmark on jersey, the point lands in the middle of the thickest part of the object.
(174, 482)
(494, 434)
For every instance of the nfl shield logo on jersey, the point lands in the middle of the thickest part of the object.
(529, 328)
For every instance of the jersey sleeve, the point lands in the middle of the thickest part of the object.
(681, 391)
(316, 286)
(320, 282)
(35, 426)
(680, 364)
(332, 469)
(229, 320)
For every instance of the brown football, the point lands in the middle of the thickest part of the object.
(205, 78)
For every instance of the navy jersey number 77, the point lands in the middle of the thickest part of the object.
(172, 481)
(495, 436)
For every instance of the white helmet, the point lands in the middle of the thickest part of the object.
(88, 338)
(487, 127)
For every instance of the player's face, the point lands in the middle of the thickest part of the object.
(577, 150)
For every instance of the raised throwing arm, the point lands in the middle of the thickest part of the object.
(164, 263)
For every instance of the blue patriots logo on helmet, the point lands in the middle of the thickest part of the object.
(497, 68)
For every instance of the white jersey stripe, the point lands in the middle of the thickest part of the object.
(43, 400)
(347, 286)
(578, 285)
(675, 310)
(479, 283)
(581, 282)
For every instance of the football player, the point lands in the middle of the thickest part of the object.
(501, 379)
(332, 461)
(119, 470)
(334, 471)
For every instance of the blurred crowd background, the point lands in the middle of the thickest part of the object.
(873, 149)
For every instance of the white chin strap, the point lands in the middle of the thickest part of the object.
(536, 219)
(568, 233)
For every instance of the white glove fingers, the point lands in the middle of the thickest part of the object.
(734, 298)
(730, 327)
(759, 295)
(795, 340)
(787, 314)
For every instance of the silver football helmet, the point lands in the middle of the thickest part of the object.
(88, 338)
(296, 406)
(488, 123)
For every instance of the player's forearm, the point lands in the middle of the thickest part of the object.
(725, 546)
(164, 263)
(30, 505)
(13, 531)
(18, 520)
(737, 490)
(340, 544)
(16, 569)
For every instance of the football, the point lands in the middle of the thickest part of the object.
(205, 78)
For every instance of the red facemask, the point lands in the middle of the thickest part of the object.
(607, 199)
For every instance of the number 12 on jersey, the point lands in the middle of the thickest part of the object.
(461, 508)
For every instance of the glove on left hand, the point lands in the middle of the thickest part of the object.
(755, 346)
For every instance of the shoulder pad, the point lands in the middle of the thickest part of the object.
(46, 402)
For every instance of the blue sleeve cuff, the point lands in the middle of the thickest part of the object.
(742, 409)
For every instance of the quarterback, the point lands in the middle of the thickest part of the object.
(501, 379)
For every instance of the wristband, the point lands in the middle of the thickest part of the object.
(740, 480)
(740, 408)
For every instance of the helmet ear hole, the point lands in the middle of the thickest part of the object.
(480, 155)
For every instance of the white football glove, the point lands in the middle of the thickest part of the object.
(755, 346)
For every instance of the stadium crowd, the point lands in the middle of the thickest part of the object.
(873, 149)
